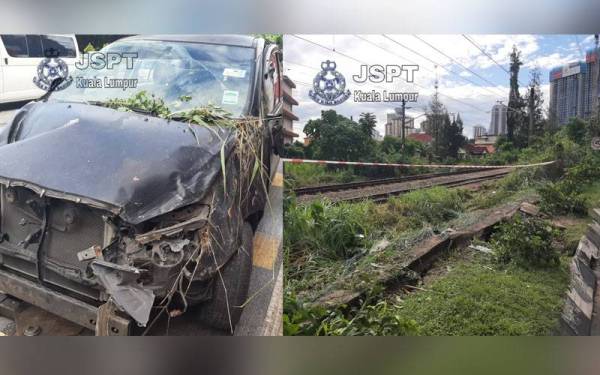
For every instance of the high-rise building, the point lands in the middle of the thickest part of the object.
(478, 131)
(574, 89)
(288, 114)
(393, 127)
(498, 119)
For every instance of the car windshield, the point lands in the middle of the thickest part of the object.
(184, 75)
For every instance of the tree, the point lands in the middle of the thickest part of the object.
(434, 119)
(515, 116)
(335, 137)
(539, 121)
(523, 135)
(450, 137)
(367, 123)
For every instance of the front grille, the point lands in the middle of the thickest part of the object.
(71, 228)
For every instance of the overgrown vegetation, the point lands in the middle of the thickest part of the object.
(301, 175)
(517, 290)
(151, 105)
(477, 297)
(419, 208)
(369, 318)
(526, 242)
(326, 230)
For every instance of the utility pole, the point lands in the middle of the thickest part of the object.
(531, 103)
(404, 120)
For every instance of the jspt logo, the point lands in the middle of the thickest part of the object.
(329, 85)
(101, 60)
(50, 69)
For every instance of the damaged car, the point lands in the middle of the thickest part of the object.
(121, 206)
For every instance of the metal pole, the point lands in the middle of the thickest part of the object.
(403, 114)
(530, 135)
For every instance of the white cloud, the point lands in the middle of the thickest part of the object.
(550, 61)
(474, 96)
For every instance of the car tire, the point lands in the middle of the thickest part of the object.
(230, 287)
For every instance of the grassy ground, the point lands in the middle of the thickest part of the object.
(476, 297)
(350, 246)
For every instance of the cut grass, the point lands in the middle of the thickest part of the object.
(476, 298)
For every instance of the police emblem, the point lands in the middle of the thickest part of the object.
(329, 86)
(49, 69)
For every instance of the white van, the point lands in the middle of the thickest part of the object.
(20, 56)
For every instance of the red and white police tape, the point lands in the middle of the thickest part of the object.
(309, 161)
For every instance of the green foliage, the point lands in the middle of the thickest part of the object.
(561, 198)
(527, 242)
(294, 150)
(371, 318)
(298, 175)
(475, 298)
(421, 207)
(333, 231)
(273, 38)
(89, 48)
(335, 137)
(145, 103)
(576, 130)
(367, 123)
(566, 195)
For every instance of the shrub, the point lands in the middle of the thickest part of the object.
(526, 242)
(561, 198)
(329, 230)
(368, 319)
(432, 206)
(566, 196)
(298, 175)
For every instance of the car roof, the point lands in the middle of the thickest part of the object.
(234, 40)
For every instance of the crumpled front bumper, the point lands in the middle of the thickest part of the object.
(61, 305)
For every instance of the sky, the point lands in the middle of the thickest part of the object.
(469, 81)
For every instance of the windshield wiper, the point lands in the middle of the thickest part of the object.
(53, 86)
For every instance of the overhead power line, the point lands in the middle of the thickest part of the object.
(472, 41)
(485, 53)
(456, 61)
(430, 70)
(365, 63)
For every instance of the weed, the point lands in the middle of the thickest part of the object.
(370, 318)
(328, 230)
(527, 242)
(421, 208)
(475, 298)
(301, 175)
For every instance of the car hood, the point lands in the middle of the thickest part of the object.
(138, 166)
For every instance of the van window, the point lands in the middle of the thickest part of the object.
(38, 45)
(34, 46)
(16, 45)
(61, 44)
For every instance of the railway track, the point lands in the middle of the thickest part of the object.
(309, 190)
(382, 189)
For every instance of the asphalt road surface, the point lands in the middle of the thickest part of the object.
(262, 311)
